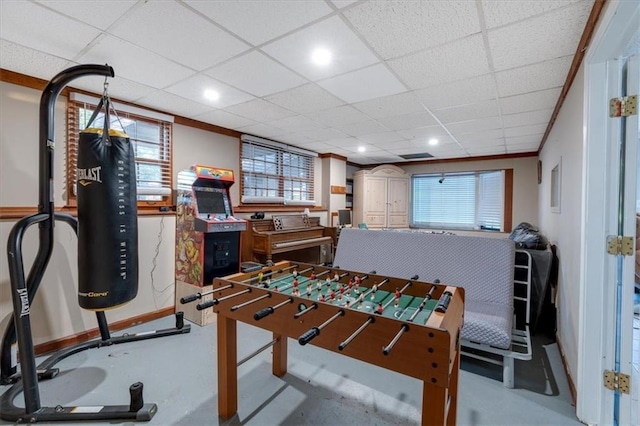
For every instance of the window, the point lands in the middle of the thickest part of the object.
(470, 200)
(275, 173)
(151, 138)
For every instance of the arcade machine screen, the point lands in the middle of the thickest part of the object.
(211, 202)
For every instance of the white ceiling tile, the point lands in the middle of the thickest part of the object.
(343, 142)
(549, 36)
(470, 142)
(297, 123)
(390, 138)
(224, 119)
(295, 139)
(479, 137)
(530, 101)
(172, 30)
(338, 116)
(30, 25)
(473, 126)
(119, 87)
(458, 60)
(388, 106)
(261, 21)
(368, 83)
(468, 112)
(426, 132)
(28, 61)
(400, 27)
(321, 134)
(387, 158)
(348, 52)
(319, 147)
(257, 74)
(144, 69)
(363, 128)
(513, 149)
(400, 146)
(100, 14)
(260, 110)
(526, 118)
(525, 130)
(531, 140)
(409, 121)
(503, 12)
(171, 103)
(532, 78)
(194, 88)
(468, 91)
(487, 150)
(262, 129)
(305, 99)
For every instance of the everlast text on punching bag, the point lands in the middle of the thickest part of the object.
(107, 216)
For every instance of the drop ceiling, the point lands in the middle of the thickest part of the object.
(482, 77)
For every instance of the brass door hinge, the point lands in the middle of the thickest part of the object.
(617, 381)
(619, 245)
(624, 106)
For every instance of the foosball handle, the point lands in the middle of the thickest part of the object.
(190, 298)
(263, 313)
(443, 303)
(309, 336)
(205, 305)
(135, 391)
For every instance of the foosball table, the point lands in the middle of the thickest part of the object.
(401, 324)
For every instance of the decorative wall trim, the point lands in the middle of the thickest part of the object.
(58, 344)
(572, 386)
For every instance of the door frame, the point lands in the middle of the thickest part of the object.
(596, 325)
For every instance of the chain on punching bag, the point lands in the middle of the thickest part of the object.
(107, 215)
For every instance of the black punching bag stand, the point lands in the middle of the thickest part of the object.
(23, 292)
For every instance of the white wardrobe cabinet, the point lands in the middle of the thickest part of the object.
(381, 197)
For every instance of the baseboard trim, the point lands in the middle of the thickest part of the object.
(65, 342)
(572, 386)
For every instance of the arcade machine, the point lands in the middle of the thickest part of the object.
(207, 235)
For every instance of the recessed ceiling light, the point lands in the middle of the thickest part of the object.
(361, 149)
(211, 95)
(433, 142)
(321, 56)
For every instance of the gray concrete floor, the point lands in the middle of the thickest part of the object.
(321, 388)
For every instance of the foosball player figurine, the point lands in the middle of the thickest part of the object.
(379, 309)
(275, 290)
(360, 300)
(319, 286)
(322, 298)
(267, 283)
(309, 287)
(312, 277)
(295, 273)
(348, 304)
(373, 291)
(336, 277)
(332, 295)
(309, 292)
(328, 282)
(260, 277)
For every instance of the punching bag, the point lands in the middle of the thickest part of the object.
(107, 216)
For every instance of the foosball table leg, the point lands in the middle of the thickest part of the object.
(227, 367)
(280, 355)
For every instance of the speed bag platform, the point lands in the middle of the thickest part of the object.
(107, 219)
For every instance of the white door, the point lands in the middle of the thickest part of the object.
(607, 281)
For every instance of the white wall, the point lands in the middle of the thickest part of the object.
(55, 311)
(565, 143)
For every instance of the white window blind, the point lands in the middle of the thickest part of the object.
(459, 201)
(490, 200)
(276, 173)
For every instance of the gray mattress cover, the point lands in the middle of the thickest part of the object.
(482, 266)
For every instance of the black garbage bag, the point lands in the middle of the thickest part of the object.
(528, 236)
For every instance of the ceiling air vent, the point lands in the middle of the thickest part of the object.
(417, 156)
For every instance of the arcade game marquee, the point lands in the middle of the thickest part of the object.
(207, 234)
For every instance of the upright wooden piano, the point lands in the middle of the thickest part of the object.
(299, 236)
